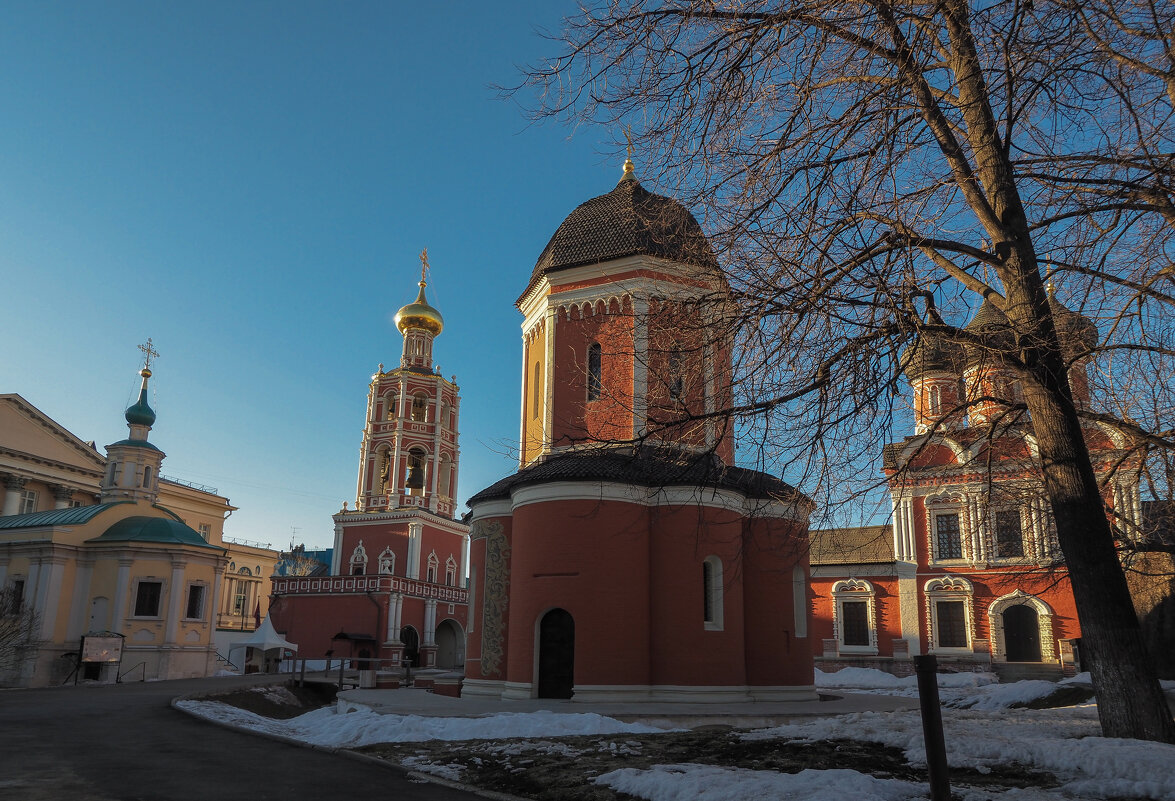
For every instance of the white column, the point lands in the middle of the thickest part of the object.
(121, 592)
(336, 558)
(896, 512)
(640, 365)
(522, 416)
(62, 496)
(49, 595)
(412, 569)
(906, 546)
(430, 621)
(32, 584)
(552, 315)
(395, 623)
(463, 571)
(81, 600)
(215, 603)
(13, 485)
(174, 602)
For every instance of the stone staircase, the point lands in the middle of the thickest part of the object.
(1024, 671)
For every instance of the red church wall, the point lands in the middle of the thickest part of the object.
(563, 553)
(575, 418)
(775, 654)
(684, 652)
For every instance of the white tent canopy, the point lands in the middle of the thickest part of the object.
(264, 638)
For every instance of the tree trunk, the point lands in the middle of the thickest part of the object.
(1130, 701)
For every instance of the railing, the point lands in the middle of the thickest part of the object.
(225, 659)
(415, 588)
(143, 677)
(191, 484)
(243, 621)
(247, 543)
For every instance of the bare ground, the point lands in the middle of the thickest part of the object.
(562, 768)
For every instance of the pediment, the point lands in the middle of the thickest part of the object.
(24, 429)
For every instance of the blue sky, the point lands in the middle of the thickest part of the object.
(249, 184)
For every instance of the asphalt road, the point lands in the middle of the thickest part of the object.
(125, 743)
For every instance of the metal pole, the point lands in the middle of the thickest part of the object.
(926, 667)
(341, 663)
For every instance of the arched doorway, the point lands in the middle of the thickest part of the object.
(411, 641)
(450, 645)
(1021, 634)
(556, 654)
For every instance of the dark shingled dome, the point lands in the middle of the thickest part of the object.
(646, 467)
(932, 354)
(628, 221)
(1076, 332)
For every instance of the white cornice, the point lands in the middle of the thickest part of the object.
(399, 516)
(642, 496)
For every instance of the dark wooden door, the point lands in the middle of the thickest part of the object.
(556, 654)
(1021, 634)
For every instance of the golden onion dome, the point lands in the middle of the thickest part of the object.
(419, 315)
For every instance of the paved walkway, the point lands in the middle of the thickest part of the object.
(668, 715)
(125, 743)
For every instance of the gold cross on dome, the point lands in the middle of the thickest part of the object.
(423, 263)
(150, 353)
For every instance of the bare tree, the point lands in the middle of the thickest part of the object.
(18, 626)
(859, 160)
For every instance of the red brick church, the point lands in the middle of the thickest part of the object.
(396, 588)
(629, 558)
(970, 569)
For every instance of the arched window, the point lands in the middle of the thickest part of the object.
(676, 368)
(712, 593)
(535, 403)
(387, 562)
(855, 616)
(385, 469)
(594, 375)
(147, 476)
(951, 613)
(415, 478)
(359, 560)
(936, 401)
(451, 571)
(434, 564)
(419, 407)
(392, 402)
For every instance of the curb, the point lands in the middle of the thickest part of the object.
(347, 753)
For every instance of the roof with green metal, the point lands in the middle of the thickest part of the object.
(71, 516)
(138, 443)
(153, 529)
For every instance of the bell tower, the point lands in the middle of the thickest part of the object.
(132, 464)
(409, 453)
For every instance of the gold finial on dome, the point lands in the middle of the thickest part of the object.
(629, 170)
(150, 353)
(419, 314)
(1052, 289)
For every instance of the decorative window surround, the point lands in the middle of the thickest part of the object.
(358, 560)
(855, 591)
(387, 562)
(949, 589)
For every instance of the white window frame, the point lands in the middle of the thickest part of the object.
(950, 589)
(451, 571)
(716, 592)
(358, 557)
(1027, 536)
(859, 591)
(135, 597)
(434, 566)
(203, 600)
(28, 502)
(387, 562)
(947, 505)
